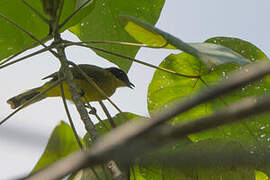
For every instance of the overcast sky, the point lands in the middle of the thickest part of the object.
(24, 137)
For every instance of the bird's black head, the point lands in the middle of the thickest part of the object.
(121, 75)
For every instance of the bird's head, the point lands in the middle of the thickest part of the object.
(121, 75)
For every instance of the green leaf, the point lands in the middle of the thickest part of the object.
(159, 170)
(13, 40)
(96, 173)
(202, 152)
(83, 12)
(102, 24)
(261, 176)
(61, 143)
(166, 88)
(246, 49)
(118, 119)
(210, 54)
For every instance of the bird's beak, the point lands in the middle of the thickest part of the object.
(130, 85)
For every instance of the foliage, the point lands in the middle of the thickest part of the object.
(184, 75)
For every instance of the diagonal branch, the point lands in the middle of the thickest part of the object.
(113, 125)
(22, 51)
(22, 29)
(25, 57)
(135, 60)
(122, 143)
(28, 33)
(109, 42)
(74, 13)
(36, 12)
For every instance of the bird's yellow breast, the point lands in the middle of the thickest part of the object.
(107, 83)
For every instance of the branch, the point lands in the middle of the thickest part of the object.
(69, 116)
(133, 60)
(74, 13)
(122, 143)
(113, 125)
(25, 57)
(22, 51)
(93, 111)
(76, 98)
(109, 42)
(36, 12)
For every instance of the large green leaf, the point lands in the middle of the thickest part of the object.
(13, 40)
(195, 161)
(118, 119)
(166, 88)
(210, 54)
(61, 143)
(102, 24)
(245, 48)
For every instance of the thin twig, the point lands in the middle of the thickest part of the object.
(69, 116)
(31, 100)
(76, 98)
(27, 56)
(107, 114)
(90, 81)
(22, 29)
(93, 111)
(127, 149)
(117, 142)
(22, 51)
(74, 13)
(59, 13)
(135, 60)
(28, 33)
(36, 12)
(109, 42)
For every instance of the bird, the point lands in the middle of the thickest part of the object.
(107, 79)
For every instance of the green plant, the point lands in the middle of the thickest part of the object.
(191, 91)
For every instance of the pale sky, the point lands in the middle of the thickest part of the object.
(24, 137)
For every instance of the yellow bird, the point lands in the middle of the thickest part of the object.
(108, 79)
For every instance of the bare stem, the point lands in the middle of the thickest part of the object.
(135, 60)
(74, 13)
(36, 12)
(22, 51)
(107, 114)
(76, 98)
(109, 42)
(25, 57)
(123, 142)
(56, 27)
(93, 111)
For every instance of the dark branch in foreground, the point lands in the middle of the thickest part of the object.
(122, 143)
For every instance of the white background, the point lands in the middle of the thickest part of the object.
(23, 137)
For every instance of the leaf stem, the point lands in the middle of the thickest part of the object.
(36, 12)
(74, 13)
(107, 114)
(25, 57)
(134, 60)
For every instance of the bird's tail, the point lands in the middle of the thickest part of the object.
(20, 99)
